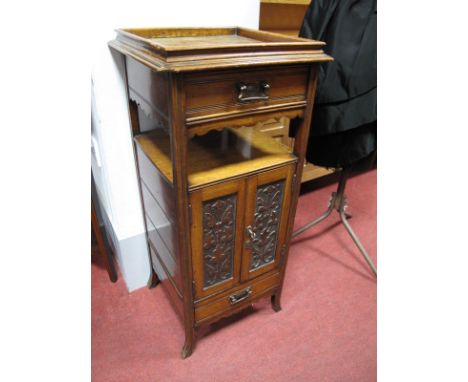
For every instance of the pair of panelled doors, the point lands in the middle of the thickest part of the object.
(238, 229)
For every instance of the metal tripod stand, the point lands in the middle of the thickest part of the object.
(338, 202)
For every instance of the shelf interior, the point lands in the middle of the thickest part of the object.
(218, 155)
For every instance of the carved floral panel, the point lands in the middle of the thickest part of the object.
(266, 223)
(219, 225)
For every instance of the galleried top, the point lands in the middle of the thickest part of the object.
(191, 49)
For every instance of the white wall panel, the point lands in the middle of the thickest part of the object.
(117, 181)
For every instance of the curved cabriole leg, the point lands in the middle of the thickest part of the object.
(275, 302)
(189, 344)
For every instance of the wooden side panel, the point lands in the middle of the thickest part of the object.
(267, 208)
(159, 187)
(169, 289)
(162, 234)
(150, 90)
(159, 208)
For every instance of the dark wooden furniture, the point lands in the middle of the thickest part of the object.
(218, 184)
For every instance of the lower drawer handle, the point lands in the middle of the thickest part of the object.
(235, 298)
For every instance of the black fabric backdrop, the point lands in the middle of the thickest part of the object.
(344, 122)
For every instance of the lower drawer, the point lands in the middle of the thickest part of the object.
(236, 298)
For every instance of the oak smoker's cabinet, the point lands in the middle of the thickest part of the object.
(219, 193)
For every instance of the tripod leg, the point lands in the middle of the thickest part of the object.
(336, 201)
(315, 221)
(357, 242)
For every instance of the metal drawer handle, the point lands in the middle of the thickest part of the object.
(235, 298)
(247, 92)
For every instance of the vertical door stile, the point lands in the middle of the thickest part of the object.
(251, 186)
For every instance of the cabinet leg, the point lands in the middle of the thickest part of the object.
(189, 345)
(275, 302)
(154, 280)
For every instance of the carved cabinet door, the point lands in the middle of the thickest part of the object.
(217, 234)
(267, 207)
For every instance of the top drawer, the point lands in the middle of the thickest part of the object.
(229, 93)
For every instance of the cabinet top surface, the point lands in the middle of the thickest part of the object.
(191, 49)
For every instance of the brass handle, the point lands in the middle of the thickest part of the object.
(235, 298)
(247, 92)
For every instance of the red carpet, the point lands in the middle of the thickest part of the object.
(325, 332)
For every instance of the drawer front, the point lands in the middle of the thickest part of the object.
(213, 94)
(235, 299)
